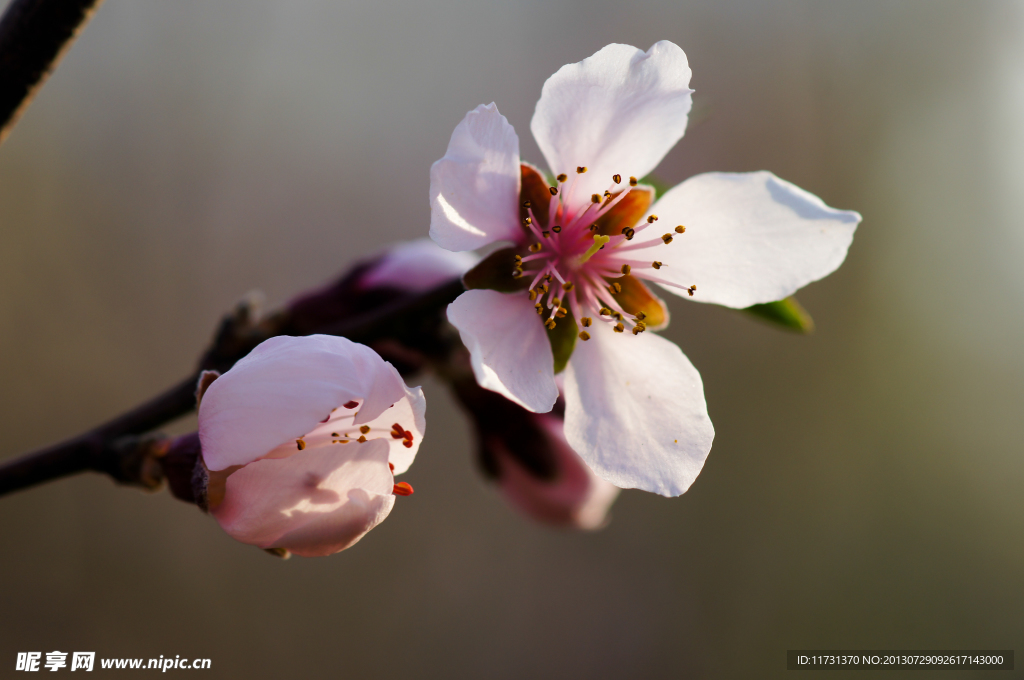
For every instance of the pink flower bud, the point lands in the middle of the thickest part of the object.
(302, 439)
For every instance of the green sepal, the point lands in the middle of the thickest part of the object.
(563, 340)
(787, 313)
(494, 272)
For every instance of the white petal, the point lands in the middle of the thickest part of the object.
(635, 411)
(416, 266)
(474, 189)
(316, 502)
(750, 237)
(616, 112)
(508, 346)
(284, 388)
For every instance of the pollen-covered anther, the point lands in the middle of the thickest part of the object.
(632, 181)
(351, 404)
(517, 273)
(364, 428)
(553, 191)
(691, 290)
(586, 321)
(550, 323)
(616, 287)
(300, 443)
(557, 229)
(535, 248)
(527, 204)
(362, 439)
(545, 234)
(533, 295)
(617, 179)
(625, 269)
(517, 258)
(391, 466)
(397, 432)
(640, 316)
(581, 169)
(618, 328)
(639, 328)
(403, 489)
(604, 311)
(527, 221)
(667, 238)
(617, 315)
(562, 311)
(567, 286)
(544, 287)
(539, 307)
(652, 219)
(680, 229)
(629, 233)
(593, 227)
(656, 264)
(584, 336)
(595, 198)
(562, 177)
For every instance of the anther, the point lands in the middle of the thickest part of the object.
(555, 302)
(562, 177)
(617, 315)
(550, 323)
(567, 286)
(562, 311)
(595, 198)
(618, 328)
(593, 227)
(402, 489)
(640, 316)
(652, 219)
(545, 234)
(557, 229)
(584, 336)
(632, 181)
(553, 191)
(533, 295)
(539, 307)
(625, 269)
(628, 232)
(392, 466)
(581, 169)
(517, 273)
(656, 264)
(586, 321)
(351, 404)
(680, 229)
(544, 287)
(528, 221)
(607, 194)
(691, 290)
(604, 311)
(617, 179)
(407, 443)
(527, 204)
(667, 238)
(364, 429)
(639, 328)
(362, 439)
(535, 248)
(300, 443)
(615, 287)
(518, 258)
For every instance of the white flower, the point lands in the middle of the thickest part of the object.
(583, 249)
(303, 438)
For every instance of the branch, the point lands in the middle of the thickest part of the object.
(403, 320)
(34, 35)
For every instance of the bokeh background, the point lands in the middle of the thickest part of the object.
(865, 485)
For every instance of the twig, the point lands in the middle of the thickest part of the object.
(34, 35)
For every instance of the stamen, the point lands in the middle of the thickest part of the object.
(632, 181)
(364, 429)
(652, 219)
(527, 220)
(539, 307)
(618, 328)
(555, 302)
(527, 204)
(691, 290)
(362, 439)
(625, 269)
(616, 287)
(545, 234)
(300, 443)
(567, 286)
(584, 336)
(581, 169)
(351, 404)
(667, 238)
(586, 321)
(604, 311)
(403, 489)
(656, 264)
(533, 295)
(640, 316)
(392, 466)
(557, 229)
(617, 179)
(550, 323)
(628, 232)
(595, 198)
(562, 177)
(553, 191)
(680, 229)
(535, 248)
(561, 312)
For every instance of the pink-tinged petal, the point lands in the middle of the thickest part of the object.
(616, 112)
(284, 388)
(635, 411)
(750, 238)
(508, 346)
(575, 497)
(416, 266)
(474, 189)
(316, 502)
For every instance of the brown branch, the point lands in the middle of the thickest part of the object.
(34, 35)
(402, 319)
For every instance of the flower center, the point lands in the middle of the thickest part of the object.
(581, 260)
(340, 428)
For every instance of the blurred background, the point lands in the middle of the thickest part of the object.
(865, 485)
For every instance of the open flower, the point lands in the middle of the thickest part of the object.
(572, 290)
(302, 439)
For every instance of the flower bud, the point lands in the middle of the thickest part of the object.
(301, 440)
